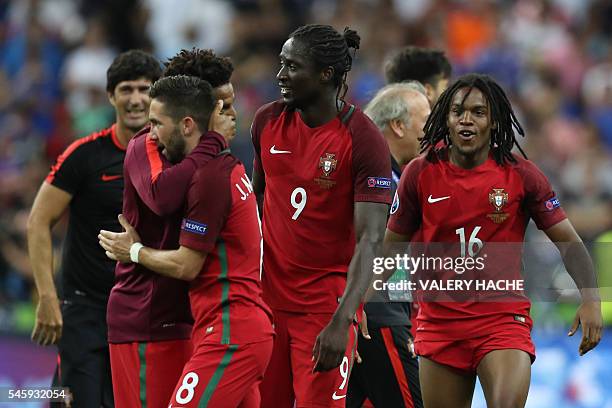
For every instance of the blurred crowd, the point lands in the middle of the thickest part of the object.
(554, 58)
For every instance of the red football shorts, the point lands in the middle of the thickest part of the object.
(144, 374)
(223, 376)
(466, 354)
(289, 377)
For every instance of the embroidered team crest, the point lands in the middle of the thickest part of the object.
(498, 198)
(328, 163)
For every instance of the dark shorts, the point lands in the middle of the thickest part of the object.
(84, 362)
(388, 376)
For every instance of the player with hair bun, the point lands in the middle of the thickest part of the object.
(322, 170)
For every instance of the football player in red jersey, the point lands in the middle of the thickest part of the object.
(445, 196)
(324, 172)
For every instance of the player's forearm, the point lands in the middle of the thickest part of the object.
(166, 263)
(183, 263)
(579, 265)
(40, 251)
(359, 277)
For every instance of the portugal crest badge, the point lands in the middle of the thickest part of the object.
(498, 198)
(327, 164)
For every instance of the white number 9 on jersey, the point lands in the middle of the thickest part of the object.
(298, 205)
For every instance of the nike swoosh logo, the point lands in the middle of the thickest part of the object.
(338, 397)
(106, 177)
(432, 200)
(274, 151)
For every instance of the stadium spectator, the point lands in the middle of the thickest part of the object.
(84, 79)
(428, 66)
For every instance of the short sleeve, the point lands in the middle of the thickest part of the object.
(70, 168)
(541, 202)
(371, 162)
(209, 202)
(405, 216)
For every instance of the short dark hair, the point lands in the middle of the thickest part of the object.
(203, 64)
(132, 65)
(183, 96)
(425, 65)
(503, 137)
(329, 48)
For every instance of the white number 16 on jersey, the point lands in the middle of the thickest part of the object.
(298, 205)
(474, 245)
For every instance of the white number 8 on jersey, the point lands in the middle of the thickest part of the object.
(190, 381)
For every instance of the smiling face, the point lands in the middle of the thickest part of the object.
(469, 125)
(166, 133)
(298, 78)
(131, 101)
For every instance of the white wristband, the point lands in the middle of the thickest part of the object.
(134, 250)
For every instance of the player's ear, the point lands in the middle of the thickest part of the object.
(327, 74)
(111, 98)
(188, 125)
(397, 126)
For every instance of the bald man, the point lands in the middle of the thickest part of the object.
(388, 374)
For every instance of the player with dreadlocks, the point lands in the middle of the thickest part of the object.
(322, 169)
(503, 138)
(473, 191)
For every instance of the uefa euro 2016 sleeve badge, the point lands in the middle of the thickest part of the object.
(498, 198)
(327, 163)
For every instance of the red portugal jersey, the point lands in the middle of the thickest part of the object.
(221, 219)
(313, 178)
(438, 202)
